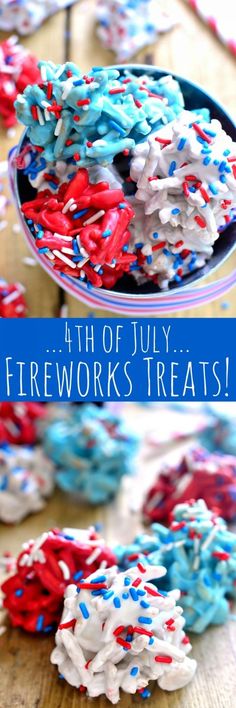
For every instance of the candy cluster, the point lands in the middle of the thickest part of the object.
(186, 194)
(25, 16)
(92, 449)
(19, 422)
(18, 69)
(199, 553)
(118, 632)
(12, 301)
(94, 117)
(198, 475)
(33, 595)
(26, 479)
(83, 228)
(125, 26)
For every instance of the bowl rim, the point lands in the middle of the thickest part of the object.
(67, 282)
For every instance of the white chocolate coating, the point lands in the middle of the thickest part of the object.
(115, 635)
(169, 204)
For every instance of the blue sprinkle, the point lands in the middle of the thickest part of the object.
(213, 189)
(166, 252)
(145, 620)
(125, 248)
(206, 160)
(222, 166)
(223, 179)
(116, 602)
(19, 592)
(210, 132)
(78, 575)
(100, 579)
(139, 245)
(172, 168)
(141, 593)
(108, 594)
(106, 233)
(133, 593)
(134, 671)
(226, 152)
(84, 610)
(181, 143)
(117, 127)
(216, 162)
(125, 595)
(127, 581)
(122, 205)
(151, 640)
(144, 604)
(39, 624)
(175, 211)
(155, 234)
(149, 259)
(80, 213)
(79, 82)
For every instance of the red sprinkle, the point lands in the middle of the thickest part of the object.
(178, 244)
(138, 103)
(204, 194)
(163, 141)
(83, 102)
(119, 630)
(141, 567)
(186, 189)
(140, 630)
(123, 643)
(200, 132)
(200, 221)
(159, 245)
(221, 555)
(164, 659)
(117, 90)
(136, 582)
(67, 625)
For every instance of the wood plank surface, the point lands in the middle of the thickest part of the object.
(189, 49)
(28, 680)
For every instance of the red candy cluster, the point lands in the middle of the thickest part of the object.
(18, 69)
(18, 422)
(12, 301)
(34, 595)
(96, 250)
(199, 475)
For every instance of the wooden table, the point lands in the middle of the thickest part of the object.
(189, 49)
(27, 679)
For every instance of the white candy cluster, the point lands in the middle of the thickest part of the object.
(125, 26)
(25, 16)
(118, 632)
(26, 479)
(186, 193)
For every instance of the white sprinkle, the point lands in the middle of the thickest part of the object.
(43, 71)
(58, 127)
(59, 71)
(93, 556)
(11, 133)
(82, 263)
(16, 228)
(29, 261)
(69, 251)
(50, 255)
(66, 260)
(65, 238)
(68, 205)
(73, 207)
(40, 116)
(64, 569)
(210, 537)
(93, 218)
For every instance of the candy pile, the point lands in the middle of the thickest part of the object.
(33, 596)
(19, 422)
(26, 479)
(93, 449)
(18, 69)
(186, 193)
(199, 475)
(93, 117)
(83, 229)
(125, 26)
(180, 183)
(118, 632)
(12, 301)
(25, 16)
(200, 556)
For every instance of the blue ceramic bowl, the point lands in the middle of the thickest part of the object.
(195, 97)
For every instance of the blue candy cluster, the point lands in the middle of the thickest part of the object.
(92, 449)
(93, 117)
(199, 553)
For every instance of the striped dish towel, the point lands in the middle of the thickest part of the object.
(221, 18)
